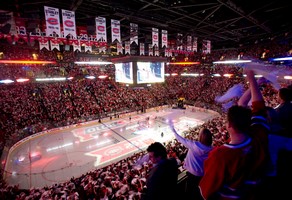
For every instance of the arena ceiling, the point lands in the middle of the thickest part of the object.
(227, 23)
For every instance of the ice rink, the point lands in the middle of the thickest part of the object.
(57, 155)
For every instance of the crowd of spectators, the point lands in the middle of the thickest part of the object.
(30, 107)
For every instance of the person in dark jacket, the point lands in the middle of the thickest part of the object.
(161, 183)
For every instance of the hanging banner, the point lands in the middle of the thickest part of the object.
(116, 33)
(154, 37)
(168, 53)
(133, 33)
(87, 47)
(164, 39)
(127, 48)
(189, 43)
(179, 41)
(76, 45)
(54, 43)
(150, 52)
(100, 23)
(52, 21)
(69, 24)
(119, 48)
(44, 43)
(195, 44)
(156, 51)
(142, 49)
(208, 46)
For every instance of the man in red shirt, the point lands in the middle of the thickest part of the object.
(234, 170)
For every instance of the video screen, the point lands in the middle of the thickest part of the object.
(150, 72)
(124, 72)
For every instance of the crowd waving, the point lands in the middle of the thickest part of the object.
(30, 107)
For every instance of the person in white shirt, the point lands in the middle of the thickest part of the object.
(194, 161)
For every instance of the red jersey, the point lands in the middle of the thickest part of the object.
(229, 168)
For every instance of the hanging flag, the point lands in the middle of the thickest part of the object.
(164, 39)
(52, 21)
(189, 43)
(100, 23)
(208, 46)
(154, 37)
(133, 33)
(127, 47)
(195, 44)
(179, 41)
(156, 51)
(119, 48)
(150, 52)
(116, 33)
(69, 25)
(88, 47)
(142, 49)
(44, 43)
(54, 43)
(76, 45)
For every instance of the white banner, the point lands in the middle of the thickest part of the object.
(88, 47)
(44, 43)
(52, 21)
(54, 43)
(116, 33)
(100, 23)
(208, 46)
(195, 44)
(156, 51)
(154, 37)
(119, 48)
(179, 41)
(164, 39)
(133, 33)
(150, 51)
(76, 45)
(142, 49)
(127, 47)
(69, 24)
(189, 43)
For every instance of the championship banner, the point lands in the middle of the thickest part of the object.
(119, 48)
(76, 45)
(69, 25)
(54, 44)
(150, 53)
(154, 37)
(164, 39)
(179, 41)
(208, 46)
(133, 33)
(88, 47)
(44, 43)
(156, 51)
(100, 23)
(52, 21)
(127, 47)
(142, 49)
(195, 44)
(116, 33)
(168, 53)
(189, 43)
